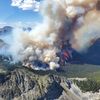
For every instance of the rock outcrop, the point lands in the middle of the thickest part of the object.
(24, 84)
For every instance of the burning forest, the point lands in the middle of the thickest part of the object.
(66, 25)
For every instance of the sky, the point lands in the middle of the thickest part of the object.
(11, 14)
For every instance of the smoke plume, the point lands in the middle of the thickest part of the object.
(74, 20)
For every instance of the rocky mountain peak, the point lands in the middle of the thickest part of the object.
(23, 84)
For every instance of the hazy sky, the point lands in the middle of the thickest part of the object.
(11, 14)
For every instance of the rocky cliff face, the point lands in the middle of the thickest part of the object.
(23, 84)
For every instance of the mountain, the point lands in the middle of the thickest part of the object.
(8, 29)
(5, 30)
(27, 29)
(92, 56)
(77, 58)
(24, 84)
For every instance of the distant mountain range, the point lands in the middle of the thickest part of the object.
(8, 29)
(27, 28)
(5, 29)
(91, 56)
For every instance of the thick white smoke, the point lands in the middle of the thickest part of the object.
(89, 30)
(39, 44)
